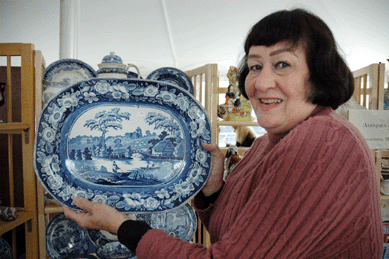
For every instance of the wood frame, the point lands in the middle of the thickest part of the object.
(369, 92)
(205, 82)
(27, 215)
(369, 82)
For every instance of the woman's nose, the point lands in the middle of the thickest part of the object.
(265, 80)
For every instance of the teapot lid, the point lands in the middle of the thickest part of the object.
(112, 58)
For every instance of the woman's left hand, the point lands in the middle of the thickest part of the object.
(97, 215)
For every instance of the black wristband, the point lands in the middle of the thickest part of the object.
(131, 232)
(212, 198)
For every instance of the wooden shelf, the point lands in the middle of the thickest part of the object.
(52, 207)
(237, 123)
(241, 150)
(23, 217)
(14, 127)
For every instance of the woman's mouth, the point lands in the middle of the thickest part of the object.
(270, 101)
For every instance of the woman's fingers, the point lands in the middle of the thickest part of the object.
(96, 215)
(215, 180)
(82, 203)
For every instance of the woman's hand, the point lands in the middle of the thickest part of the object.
(215, 180)
(97, 215)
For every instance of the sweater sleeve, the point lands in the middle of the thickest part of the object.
(204, 205)
(315, 199)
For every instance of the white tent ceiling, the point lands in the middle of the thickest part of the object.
(190, 33)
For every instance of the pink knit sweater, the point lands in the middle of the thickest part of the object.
(311, 193)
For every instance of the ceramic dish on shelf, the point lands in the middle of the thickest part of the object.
(114, 250)
(5, 249)
(133, 144)
(174, 76)
(65, 239)
(180, 222)
(62, 74)
(68, 71)
(102, 237)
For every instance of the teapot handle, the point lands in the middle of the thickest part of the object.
(137, 69)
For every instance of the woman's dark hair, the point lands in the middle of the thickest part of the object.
(331, 80)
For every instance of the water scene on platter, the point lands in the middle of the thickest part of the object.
(125, 146)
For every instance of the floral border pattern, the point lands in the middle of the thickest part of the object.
(50, 170)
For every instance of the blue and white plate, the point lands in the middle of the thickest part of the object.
(65, 239)
(180, 222)
(133, 144)
(174, 76)
(114, 250)
(5, 249)
(68, 71)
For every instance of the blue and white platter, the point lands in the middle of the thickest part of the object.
(65, 239)
(133, 144)
(68, 71)
(174, 76)
(180, 222)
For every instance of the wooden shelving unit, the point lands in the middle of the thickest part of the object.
(205, 82)
(206, 90)
(369, 92)
(22, 128)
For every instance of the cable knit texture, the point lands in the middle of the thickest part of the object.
(310, 193)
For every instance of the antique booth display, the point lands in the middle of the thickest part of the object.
(132, 143)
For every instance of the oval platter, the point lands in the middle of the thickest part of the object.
(133, 144)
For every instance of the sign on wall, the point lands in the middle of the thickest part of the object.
(373, 125)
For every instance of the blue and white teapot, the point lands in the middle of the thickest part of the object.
(112, 67)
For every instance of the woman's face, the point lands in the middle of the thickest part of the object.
(278, 85)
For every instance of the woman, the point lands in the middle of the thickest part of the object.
(306, 189)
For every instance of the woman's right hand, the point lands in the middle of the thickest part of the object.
(215, 180)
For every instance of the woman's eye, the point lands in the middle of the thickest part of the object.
(255, 67)
(282, 65)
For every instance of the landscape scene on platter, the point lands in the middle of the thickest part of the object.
(125, 146)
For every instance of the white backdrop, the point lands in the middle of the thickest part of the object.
(198, 31)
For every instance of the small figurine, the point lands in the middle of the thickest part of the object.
(238, 105)
(230, 96)
(238, 108)
(245, 136)
(232, 158)
(9, 214)
(2, 89)
(221, 111)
